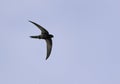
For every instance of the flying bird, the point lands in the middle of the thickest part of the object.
(44, 35)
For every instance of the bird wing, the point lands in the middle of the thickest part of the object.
(44, 31)
(49, 47)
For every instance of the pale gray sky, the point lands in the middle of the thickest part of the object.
(86, 43)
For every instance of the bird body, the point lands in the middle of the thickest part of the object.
(46, 36)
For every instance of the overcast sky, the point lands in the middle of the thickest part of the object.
(86, 43)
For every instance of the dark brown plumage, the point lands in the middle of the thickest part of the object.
(46, 36)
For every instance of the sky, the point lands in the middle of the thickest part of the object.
(86, 43)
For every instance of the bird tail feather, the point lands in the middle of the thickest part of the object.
(34, 36)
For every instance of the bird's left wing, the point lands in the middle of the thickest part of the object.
(49, 47)
(44, 31)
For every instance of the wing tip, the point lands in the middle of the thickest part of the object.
(46, 58)
(30, 21)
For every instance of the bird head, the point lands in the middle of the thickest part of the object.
(51, 36)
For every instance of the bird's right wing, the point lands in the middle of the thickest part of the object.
(44, 31)
(49, 47)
